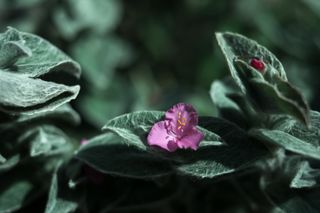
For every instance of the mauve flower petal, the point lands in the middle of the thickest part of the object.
(158, 136)
(192, 140)
(182, 113)
(84, 142)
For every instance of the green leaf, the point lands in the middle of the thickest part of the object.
(220, 94)
(101, 58)
(9, 163)
(131, 126)
(12, 47)
(235, 46)
(2, 159)
(13, 195)
(20, 94)
(287, 141)
(20, 4)
(100, 16)
(230, 101)
(295, 204)
(284, 97)
(113, 155)
(142, 120)
(139, 160)
(306, 176)
(248, 72)
(292, 93)
(42, 58)
(286, 199)
(62, 113)
(22, 185)
(56, 204)
(25, 57)
(46, 140)
(272, 87)
(313, 5)
(237, 153)
(310, 134)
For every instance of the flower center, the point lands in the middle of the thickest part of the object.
(182, 122)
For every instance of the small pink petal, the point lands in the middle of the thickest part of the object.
(84, 142)
(182, 117)
(159, 136)
(192, 140)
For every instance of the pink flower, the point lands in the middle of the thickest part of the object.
(177, 130)
(84, 142)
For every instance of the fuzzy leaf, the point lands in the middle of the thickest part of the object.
(131, 126)
(113, 155)
(2, 159)
(284, 97)
(13, 195)
(237, 153)
(9, 163)
(101, 58)
(46, 140)
(306, 176)
(139, 160)
(20, 4)
(42, 57)
(22, 185)
(63, 113)
(287, 141)
(287, 200)
(12, 47)
(235, 46)
(230, 101)
(310, 134)
(314, 5)
(55, 204)
(86, 14)
(295, 204)
(220, 94)
(20, 94)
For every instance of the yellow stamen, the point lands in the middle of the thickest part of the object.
(181, 123)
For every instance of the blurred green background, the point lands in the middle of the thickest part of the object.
(152, 54)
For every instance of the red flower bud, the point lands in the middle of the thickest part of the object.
(258, 65)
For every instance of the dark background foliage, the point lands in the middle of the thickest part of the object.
(151, 54)
(138, 55)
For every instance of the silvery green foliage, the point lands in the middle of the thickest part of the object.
(284, 122)
(238, 47)
(283, 150)
(269, 92)
(20, 4)
(27, 60)
(278, 148)
(215, 156)
(39, 56)
(33, 97)
(86, 14)
(101, 59)
(56, 204)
